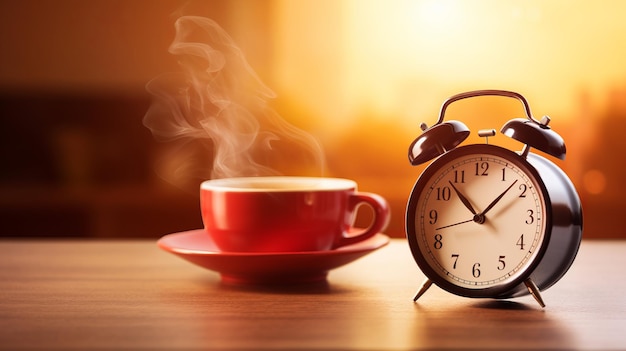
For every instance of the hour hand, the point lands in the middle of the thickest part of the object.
(464, 200)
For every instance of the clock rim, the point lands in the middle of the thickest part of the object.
(500, 289)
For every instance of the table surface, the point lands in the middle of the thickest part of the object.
(132, 295)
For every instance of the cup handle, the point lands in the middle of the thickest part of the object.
(379, 222)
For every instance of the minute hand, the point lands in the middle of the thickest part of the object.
(494, 202)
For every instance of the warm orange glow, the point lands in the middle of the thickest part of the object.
(398, 59)
(367, 73)
(594, 182)
(359, 75)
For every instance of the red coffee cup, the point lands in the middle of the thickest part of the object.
(286, 214)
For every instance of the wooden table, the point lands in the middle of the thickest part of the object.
(80, 295)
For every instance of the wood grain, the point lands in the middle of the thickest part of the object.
(84, 295)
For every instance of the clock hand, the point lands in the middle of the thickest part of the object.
(493, 203)
(478, 217)
(463, 199)
(452, 225)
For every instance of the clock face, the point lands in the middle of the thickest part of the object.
(476, 220)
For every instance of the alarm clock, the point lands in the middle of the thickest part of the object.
(483, 221)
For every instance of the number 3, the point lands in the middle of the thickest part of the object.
(531, 218)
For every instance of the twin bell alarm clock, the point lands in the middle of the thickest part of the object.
(484, 221)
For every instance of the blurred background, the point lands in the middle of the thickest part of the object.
(76, 160)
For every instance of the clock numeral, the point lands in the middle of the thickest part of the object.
(456, 259)
(501, 263)
(503, 174)
(438, 243)
(523, 188)
(520, 242)
(443, 193)
(433, 216)
(482, 168)
(476, 270)
(459, 176)
(531, 217)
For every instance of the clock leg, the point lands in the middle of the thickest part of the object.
(534, 291)
(427, 283)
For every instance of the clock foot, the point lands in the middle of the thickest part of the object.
(427, 283)
(534, 291)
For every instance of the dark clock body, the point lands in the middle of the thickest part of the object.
(482, 219)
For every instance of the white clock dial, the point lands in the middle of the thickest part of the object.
(483, 221)
(479, 219)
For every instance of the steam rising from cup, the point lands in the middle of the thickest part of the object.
(215, 112)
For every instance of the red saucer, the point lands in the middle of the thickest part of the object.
(197, 247)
